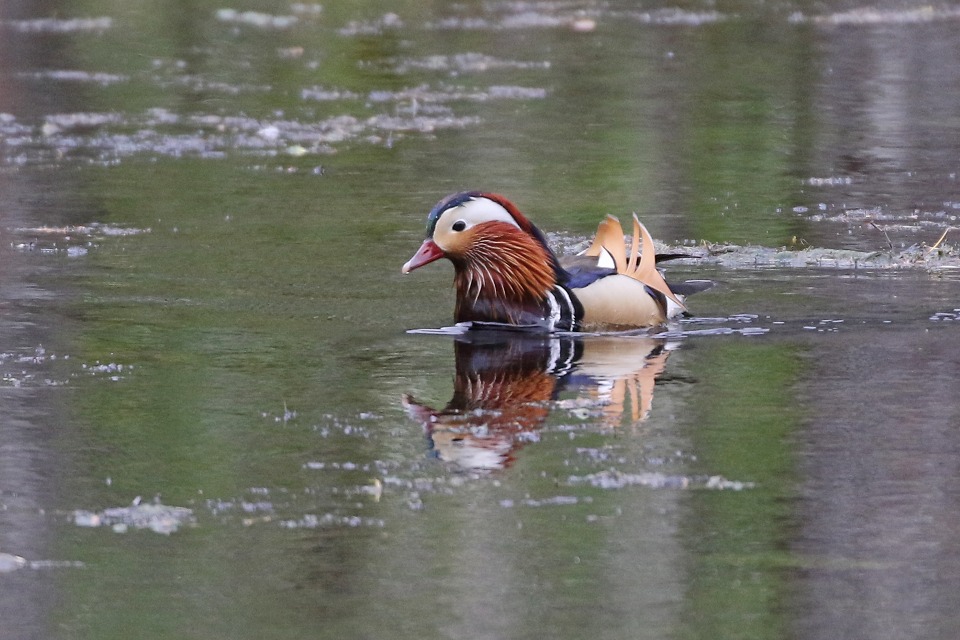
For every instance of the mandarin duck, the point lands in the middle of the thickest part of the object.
(506, 274)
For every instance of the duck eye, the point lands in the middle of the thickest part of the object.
(459, 225)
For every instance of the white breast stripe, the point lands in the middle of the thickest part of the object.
(570, 306)
(554, 310)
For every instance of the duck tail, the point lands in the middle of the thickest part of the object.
(640, 264)
(643, 265)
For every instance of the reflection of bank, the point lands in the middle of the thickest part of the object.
(35, 420)
(505, 385)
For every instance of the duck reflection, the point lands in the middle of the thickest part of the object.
(507, 383)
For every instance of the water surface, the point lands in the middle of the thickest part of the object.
(215, 423)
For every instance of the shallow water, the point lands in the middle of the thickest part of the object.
(216, 423)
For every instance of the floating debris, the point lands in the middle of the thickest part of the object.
(873, 16)
(306, 9)
(445, 93)
(614, 479)
(56, 123)
(460, 63)
(103, 79)
(323, 94)
(943, 257)
(673, 17)
(914, 221)
(583, 25)
(556, 501)
(311, 521)
(108, 137)
(946, 316)
(156, 517)
(830, 181)
(10, 563)
(198, 84)
(218, 507)
(518, 20)
(39, 356)
(567, 15)
(439, 484)
(73, 241)
(377, 466)
(88, 230)
(256, 19)
(371, 28)
(28, 361)
(112, 370)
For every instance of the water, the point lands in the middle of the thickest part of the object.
(216, 424)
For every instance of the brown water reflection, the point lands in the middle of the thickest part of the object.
(506, 383)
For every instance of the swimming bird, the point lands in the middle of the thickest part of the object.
(506, 274)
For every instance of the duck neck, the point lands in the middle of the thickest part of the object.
(508, 279)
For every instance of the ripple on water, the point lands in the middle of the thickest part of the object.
(470, 62)
(30, 367)
(872, 16)
(73, 241)
(566, 15)
(107, 137)
(55, 25)
(10, 563)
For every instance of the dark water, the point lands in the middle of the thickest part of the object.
(215, 424)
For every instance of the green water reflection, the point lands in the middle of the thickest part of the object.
(737, 586)
(234, 342)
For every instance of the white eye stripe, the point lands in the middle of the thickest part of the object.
(448, 232)
(480, 210)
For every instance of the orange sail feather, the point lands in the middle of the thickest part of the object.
(641, 264)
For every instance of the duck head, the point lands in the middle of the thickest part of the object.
(504, 270)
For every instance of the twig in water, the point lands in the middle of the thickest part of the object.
(942, 237)
(875, 226)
